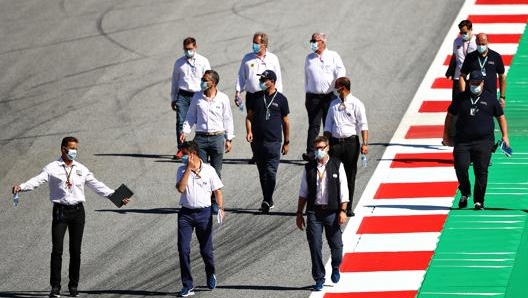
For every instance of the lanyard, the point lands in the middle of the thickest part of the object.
(482, 63)
(268, 114)
(475, 101)
(68, 182)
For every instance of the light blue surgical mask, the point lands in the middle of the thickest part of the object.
(256, 48)
(481, 48)
(475, 89)
(185, 159)
(263, 85)
(204, 86)
(336, 92)
(320, 154)
(189, 53)
(72, 154)
(465, 36)
(313, 46)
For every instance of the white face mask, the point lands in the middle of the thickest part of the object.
(336, 92)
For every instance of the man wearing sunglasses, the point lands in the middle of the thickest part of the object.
(321, 68)
(324, 192)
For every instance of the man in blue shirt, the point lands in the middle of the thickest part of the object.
(266, 122)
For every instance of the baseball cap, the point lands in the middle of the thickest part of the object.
(476, 75)
(268, 75)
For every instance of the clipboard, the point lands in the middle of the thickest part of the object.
(120, 193)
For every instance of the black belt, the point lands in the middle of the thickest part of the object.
(210, 134)
(186, 93)
(69, 207)
(192, 210)
(320, 95)
(344, 140)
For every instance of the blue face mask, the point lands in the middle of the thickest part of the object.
(313, 46)
(256, 48)
(204, 86)
(481, 48)
(475, 89)
(263, 85)
(465, 36)
(72, 154)
(185, 159)
(320, 154)
(189, 53)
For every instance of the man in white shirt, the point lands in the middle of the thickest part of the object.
(321, 68)
(186, 75)
(464, 44)
(196, 181)
(210, 111)
(66, 180)
(347, 119)
(254, 63)
(324, 192)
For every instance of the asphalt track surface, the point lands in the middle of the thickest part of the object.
(100, 70)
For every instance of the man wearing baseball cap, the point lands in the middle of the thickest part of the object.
(266, 124)
(474, 138)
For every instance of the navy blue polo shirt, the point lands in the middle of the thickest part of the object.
(493, 66)
(269, 130)
(475, 116)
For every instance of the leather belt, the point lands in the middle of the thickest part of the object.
(344, 140)
(210, 134)
(185, 93)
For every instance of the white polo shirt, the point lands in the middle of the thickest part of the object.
(251, 66)
(199, 187)
(460, 49)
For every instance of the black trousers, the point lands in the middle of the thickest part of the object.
(250, 99)
(348, 152)
(317, 107)
(479, 153)
(69, 218)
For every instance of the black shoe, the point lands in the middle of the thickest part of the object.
(350, 213)
(252, 161)
(74, 292)
(55, 292)
(479, 206)
(463, 202)
(265, 207)
(308, 156)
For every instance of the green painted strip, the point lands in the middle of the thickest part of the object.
(485, 253)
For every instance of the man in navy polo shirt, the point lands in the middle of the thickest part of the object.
(266, 123)
(490, 64)
(474, 137)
